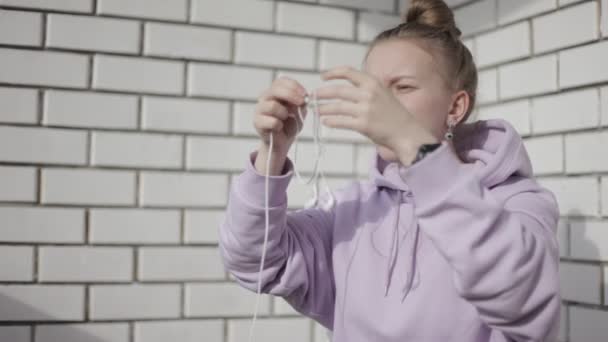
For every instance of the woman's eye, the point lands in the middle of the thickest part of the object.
(400, 87)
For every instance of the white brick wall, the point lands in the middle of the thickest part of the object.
(20, 28)
(555, 30)
(90, 33)
(122, 124)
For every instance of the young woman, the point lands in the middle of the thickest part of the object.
(451, 239)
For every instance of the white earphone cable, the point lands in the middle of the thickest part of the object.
(316, 170)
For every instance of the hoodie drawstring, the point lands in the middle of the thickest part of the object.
(395, 251)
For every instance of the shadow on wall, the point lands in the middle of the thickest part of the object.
(49, 329)
(578, 246)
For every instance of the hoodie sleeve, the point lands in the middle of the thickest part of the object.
(504, 254)
(297, 264)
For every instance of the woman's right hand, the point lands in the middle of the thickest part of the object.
(276, 112)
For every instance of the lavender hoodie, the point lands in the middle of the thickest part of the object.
(442, 250)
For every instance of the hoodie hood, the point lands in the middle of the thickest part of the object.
(493, 148)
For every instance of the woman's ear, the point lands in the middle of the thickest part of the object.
(460, 105)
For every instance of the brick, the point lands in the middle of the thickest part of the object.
(42, 145)
(85, 332)
(575, 195)
(366, 155)
(41, 225)
(92, 33)
(183, 189)
(475, 17)
(378, 5)
(371, 24)
(42, 302)
(58, 5)
(589, 240)
(605, 284)
(136, 150)
(328, 22)
(256, 15)
(517, 113)
(48, 68)
(134, 226)
(453, 3)
(137, 301)
(505, 44)
(321, 334)
(588, 324)
(554, 113)
(604, 18)
(332, 54)
(88, 109)
(18, 184)
(19, 105)
(184, 331)
(88, 186)
(488, 86)
(242, 120)
(183, 41)
(578, 66)
(274, 50)
(512, 10)
(282, 308)
(604, 106)
(529, 77)
(185, 115)
(179, 263)
(555, 30)
(562, 335)
(563, 236)
(90, 264)
(20, 28)
(16, 333)
(16, 263)
(591, 143)
(138, 75)
(338, 158)
(470, 45)
(222, 300)
(202, 226)
(218, 152)
(546, 154)
(580, 283)
(152, 9)
(274, 329)
(605, 196)
(237, 82)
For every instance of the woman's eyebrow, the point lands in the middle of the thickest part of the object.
(398, 77)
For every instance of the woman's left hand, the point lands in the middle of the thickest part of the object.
(370, 109)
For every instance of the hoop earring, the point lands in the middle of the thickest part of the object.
(449, 135)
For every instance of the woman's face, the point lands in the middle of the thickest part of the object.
(417, 80)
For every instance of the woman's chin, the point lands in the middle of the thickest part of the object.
(387, 154)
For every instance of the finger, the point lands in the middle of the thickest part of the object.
(273, 108)
(348, 73)
(291, 83)
(280, 92)
(340, 121)
(269, 123)
(339, 108)
(344, 92)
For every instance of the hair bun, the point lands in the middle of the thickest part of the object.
(434, 13)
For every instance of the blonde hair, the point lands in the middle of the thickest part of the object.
(432, 22)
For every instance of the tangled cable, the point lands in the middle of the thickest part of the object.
(320, 148)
